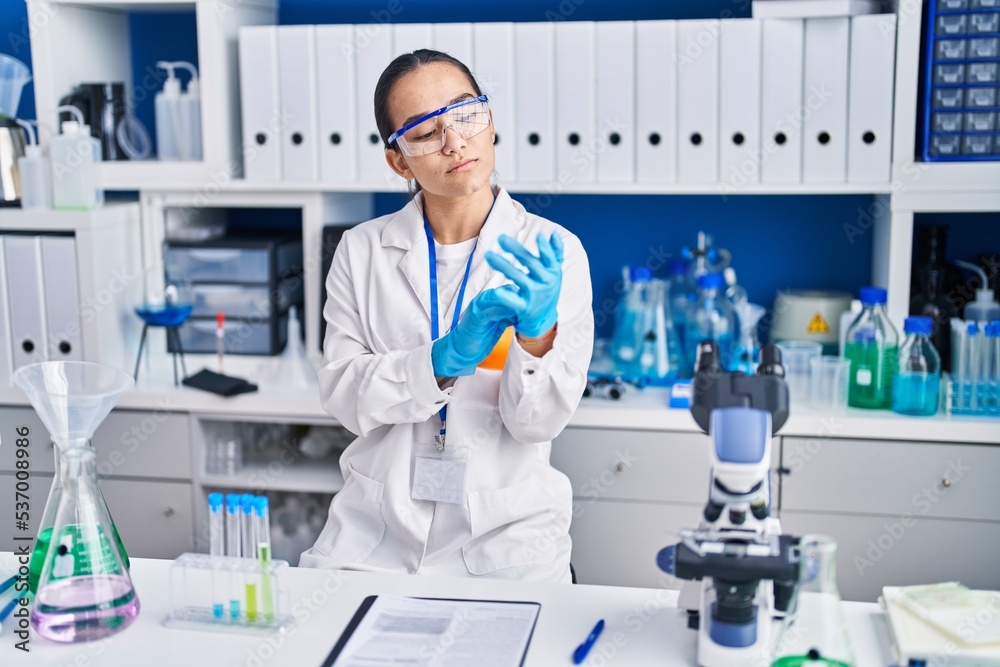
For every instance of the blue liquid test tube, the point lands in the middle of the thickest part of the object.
(249, 551)
(233, 547)
(216, 548)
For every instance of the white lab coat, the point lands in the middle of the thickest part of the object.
(377, 380)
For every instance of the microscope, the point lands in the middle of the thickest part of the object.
(741, 573)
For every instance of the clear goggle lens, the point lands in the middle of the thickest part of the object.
(428, 134)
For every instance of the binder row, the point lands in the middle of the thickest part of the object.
(694, 101)
(39, 301)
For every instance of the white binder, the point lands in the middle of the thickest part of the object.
(493, 54)
(26, 300)
(62, 298)
(335, 89)
(824, 100)
(455, 39)
(697, 64)
(535, 82)
(656, 101)
(781, 101)
(616, 101)
(259, 103)
(297, 83)
(6, 363)
(576, 157)
(408, 37)
(869, 102)
(739, 103)
(373, 51)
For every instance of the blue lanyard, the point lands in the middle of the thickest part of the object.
(435, 333)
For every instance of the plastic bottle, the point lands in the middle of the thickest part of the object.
(169, 123)
(984, 308)
(712, 318)
(189, 138)
(872, 346)
(35, 172)
(73, 155)
(916, 389)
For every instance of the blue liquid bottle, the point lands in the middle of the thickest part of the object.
(916, 388)
(712, 318)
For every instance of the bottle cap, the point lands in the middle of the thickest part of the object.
(215, 502)
(711, 281)
(260, 503)
(918, 324)
(232, 502)
(247, 502)
(640, 274)
(873, 295)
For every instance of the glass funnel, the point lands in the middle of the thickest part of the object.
(13, 76)
(71, 398)
(815, 633)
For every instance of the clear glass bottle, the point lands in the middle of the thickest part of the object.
(683, 296)
(872, 346)
(712, 318)
(815, 632)
(916, 389)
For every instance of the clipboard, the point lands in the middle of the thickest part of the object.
(367, 603)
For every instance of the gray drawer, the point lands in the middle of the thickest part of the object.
(984, 47)
(949, 25)
(984, 23)
(980, 121)
(982, 73)
(129, 443)
(947, 98)
(950, 49)
(946, 144)
(979, 98)
(892, 478)
(634, 465)
(154, 519)
(244, 301)
(261, 336)
(945, 5)
(949, 74)
(946, 122)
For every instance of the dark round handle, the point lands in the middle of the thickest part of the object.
(780, 138)
(615, 138)
(573, 139)
(534, 139)
(738, 138)
(654, 138)
(65, 347)
(260, 138)
(296, 138)
(823, 138)
(696, 138)
(28, 346)
(868, 137)
(373, 139)
(335, 138)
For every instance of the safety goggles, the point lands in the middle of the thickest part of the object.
(426, 135)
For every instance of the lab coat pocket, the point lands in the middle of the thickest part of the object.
(514, 526)
(358, 508)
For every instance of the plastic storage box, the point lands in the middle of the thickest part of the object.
(961, 103)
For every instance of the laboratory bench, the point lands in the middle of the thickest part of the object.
(643, 625)
(897, 493)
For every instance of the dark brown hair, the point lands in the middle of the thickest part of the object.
(401, 66)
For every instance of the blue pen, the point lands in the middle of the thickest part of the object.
(580, 654)
(8, 583)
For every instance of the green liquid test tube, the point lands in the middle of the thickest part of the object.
(251, 595)
(266, 585)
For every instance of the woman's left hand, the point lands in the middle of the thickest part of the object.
(537, 295)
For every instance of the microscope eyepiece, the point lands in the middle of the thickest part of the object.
(770, 361)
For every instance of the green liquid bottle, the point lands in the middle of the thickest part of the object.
(872, 347)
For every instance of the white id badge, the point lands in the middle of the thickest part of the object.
(439, 476)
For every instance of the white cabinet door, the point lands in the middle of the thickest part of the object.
(615, 543)
(877, 551)
(154, 519)
(133, 443)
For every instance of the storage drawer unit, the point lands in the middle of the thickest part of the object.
(259, 336)
(244, 301)
(233, 260)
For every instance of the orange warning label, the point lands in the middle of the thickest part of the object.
(817, 325)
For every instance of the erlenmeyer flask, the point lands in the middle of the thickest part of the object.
(815, 633)
(71, 398)
(85, 592)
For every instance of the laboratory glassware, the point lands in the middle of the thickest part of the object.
(748, 348)
(797, 356)
(917, 387)
(984, 308)
(35, 173)
(932, 280)
(644, 344)
(13, 76)
(217, 549)
(683, 296)
(872, 346)
(828, 379)
(84, 591)
(815, 633)
(712, 318)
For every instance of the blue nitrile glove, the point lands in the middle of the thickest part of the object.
(459, 351)
(534, 302)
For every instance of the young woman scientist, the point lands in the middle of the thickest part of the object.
(450, 472)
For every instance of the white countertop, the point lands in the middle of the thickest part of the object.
(644, 409)
(643, 626)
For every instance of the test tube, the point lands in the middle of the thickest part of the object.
(975, 360)
(249, 551)
(217, 548)
(233, 546)
(263, 535)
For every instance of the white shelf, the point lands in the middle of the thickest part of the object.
(52, 220)
(554, 188)
(303, 476)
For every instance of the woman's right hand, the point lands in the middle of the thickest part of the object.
(459, 351)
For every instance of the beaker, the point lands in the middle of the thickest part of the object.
(84, 592)
(14, 75)
(815, 632)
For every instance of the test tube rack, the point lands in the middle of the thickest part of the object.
(228, 594)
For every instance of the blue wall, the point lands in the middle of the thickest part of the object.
(777, 241)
